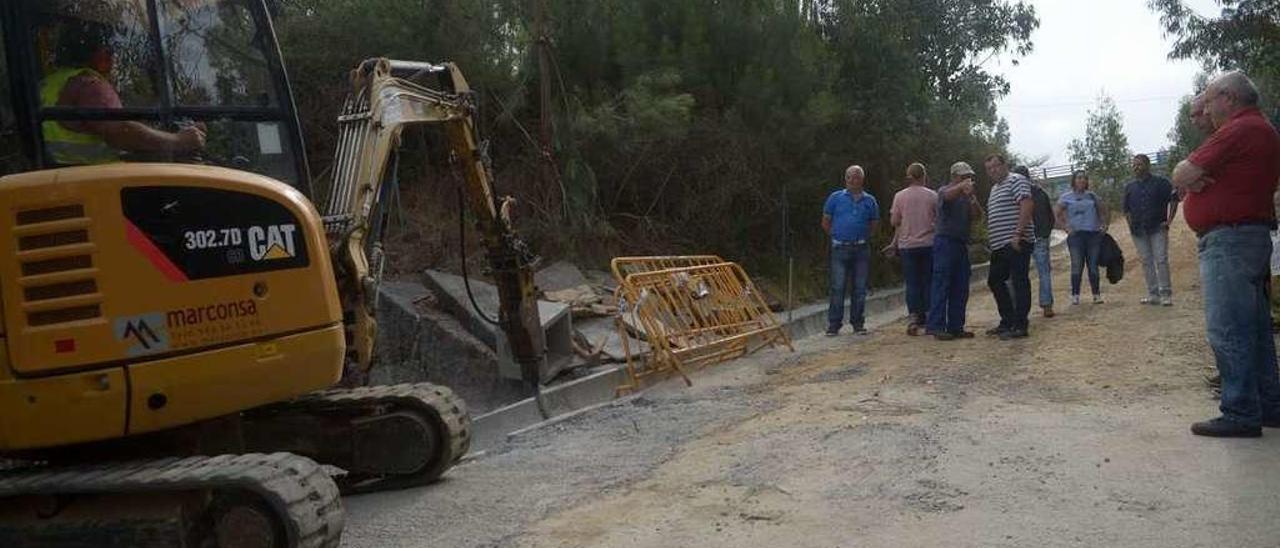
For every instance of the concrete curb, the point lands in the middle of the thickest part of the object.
(575, 397)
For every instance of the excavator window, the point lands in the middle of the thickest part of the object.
(112, 81)
(216, 54)
(11, 157)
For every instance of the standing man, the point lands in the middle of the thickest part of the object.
(849, 218)
(957, 206)
(913, 213)
(1043, 217)
(1150, 204)
(1009, 209)
(1230, 180)
(1199, 117)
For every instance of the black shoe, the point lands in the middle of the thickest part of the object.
(996, 331)
(1224, 428)
(1015, 333)
(860, 331)
(962, 334)
(833, 332)
(1271, 422)
(944, 336)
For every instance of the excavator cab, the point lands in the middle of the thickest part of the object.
(154, 314)
(79, 79)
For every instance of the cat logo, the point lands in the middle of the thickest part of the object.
(272, 242)
(145, 334)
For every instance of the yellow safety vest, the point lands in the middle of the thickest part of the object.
(63, 145)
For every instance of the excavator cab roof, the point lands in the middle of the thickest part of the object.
(168, 63)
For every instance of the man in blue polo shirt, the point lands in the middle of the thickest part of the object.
(849, 218)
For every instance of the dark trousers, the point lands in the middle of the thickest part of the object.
(1085, 246)
(917, 272)
(1010, 283)
(950, 292)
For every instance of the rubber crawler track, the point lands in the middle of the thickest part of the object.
(305, 499)
(439, 403)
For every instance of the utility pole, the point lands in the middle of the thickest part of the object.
(542, 40)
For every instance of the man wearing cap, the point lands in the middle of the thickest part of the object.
(849, 218)
(1230, 180)
(957, 207)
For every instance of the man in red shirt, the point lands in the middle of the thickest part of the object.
(1229, 181)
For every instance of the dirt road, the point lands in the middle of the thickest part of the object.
(1076, 436)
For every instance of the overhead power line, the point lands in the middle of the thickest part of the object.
(1086, 103)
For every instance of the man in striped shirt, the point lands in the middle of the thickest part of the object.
(1010, 239)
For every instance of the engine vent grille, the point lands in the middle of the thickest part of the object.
(55, 257)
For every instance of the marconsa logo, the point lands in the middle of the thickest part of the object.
(196, 315)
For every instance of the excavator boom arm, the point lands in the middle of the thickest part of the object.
(380, 107)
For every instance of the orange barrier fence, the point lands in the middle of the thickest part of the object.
(691, 316)
(626, 266)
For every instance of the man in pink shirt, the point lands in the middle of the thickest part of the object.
(913, 213)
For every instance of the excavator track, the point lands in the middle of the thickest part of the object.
(289, 496)
(394, 436)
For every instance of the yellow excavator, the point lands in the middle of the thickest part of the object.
(185, 330)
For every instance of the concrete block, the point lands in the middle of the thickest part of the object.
(559, 276)
(557, 324)
(419, 343)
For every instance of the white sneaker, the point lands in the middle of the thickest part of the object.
(1097, 299)
(1166, 301)
(1075, 299)
(1150, 299)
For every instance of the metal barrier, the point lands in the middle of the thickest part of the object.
(626, 266)
(691, 316)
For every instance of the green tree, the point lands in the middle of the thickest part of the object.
(689, 126)
(1104, 151)
(1245, 35)
(1184, 135)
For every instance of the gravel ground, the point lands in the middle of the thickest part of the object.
(1076, 436)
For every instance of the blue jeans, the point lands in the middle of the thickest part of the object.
(1234, 269)
(1010, 282)
(950, 293)
(1085, 245)
(917, 268)
(1041, 255)
(848, 260)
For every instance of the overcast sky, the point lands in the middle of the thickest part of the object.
(1085, 47)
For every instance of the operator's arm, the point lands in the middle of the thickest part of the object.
(139, 137)
(826, 224)
(94, 92)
